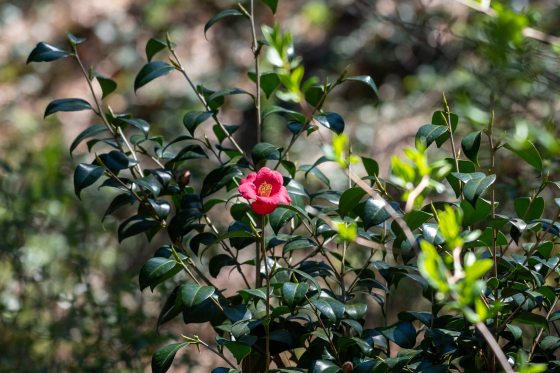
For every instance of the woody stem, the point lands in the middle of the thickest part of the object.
(267, 277)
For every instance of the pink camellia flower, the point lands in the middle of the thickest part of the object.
(266, 189)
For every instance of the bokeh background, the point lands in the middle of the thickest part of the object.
(69, 299)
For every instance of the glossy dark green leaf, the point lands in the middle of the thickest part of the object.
(329, 307)
(272, 4)
(138, 123)
(238, 350)
(371, 166)
(356, 311)
(192, 294)
(74, 40)
(156, 270)
(88, 132)
(67, 104)
(292, 115)
(161, 208)
(465, 167)
(169, 310)
(440, 118)
(533, 319)
(223, 14)
(550, 343)
(476, 187)
(116, 161)
(107, 85)
(264, 151)
(221, 135)
(366, 79)
(193, 119)
(429, 133)
(325, 366)
(528, 152)
(218, 178)
(473, 215)
(119, 201)
(44, 52)
(402, 333)
(470, 145)
(154, 46)
(163, 358)
(424, 317)
(151, 71)
(218, 262)
(150, 183)
(528, 209)
(85, 175)
(217, 97)
(374, 213)
(135, 225)
(294, 293)
(349, 200)
(192, 151)
(279, 217)
(332, 121)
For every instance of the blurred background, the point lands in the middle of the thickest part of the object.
(69, 299)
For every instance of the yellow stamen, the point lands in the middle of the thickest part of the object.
(264, 190)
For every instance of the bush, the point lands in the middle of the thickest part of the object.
(314, 258)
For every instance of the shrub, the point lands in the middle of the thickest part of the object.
(487, 271)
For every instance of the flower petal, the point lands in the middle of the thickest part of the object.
(263, 206)
(249, 178)
(283, 196)
(274, 178)
(247, 189)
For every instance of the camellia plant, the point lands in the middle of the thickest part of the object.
(312, 260)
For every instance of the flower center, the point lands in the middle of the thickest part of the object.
(264, 189)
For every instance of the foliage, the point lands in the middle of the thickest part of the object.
(332, 255)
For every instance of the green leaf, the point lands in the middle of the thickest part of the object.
(223, 14)
(374, 213)
(163, 358)
(332, 121)
(156, 270)
(154, 46)
(269, 82)
(272, 4)
(476, 187)
(371, 166)
(366, 79)
(140, 124)
(85, 175)
(88, 132)
(135, 225)
(528, 152)
(74, 40)
(349, 200)
(44, 52)
(473, 215)
(238, 350)
(67, 104)
(192, 294)
(325, 366)
(402, 333)
(264, 151)
(470, 145)
(329, 307)
(218, 178)
(107, 85)
(151, 71)
(116, 161)
(429, 133)
(169, 311)
(529, 210)
(294, 293)
(218, 262)
(550, 343)
(532, 319)
(279, 217)
(193, 119)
